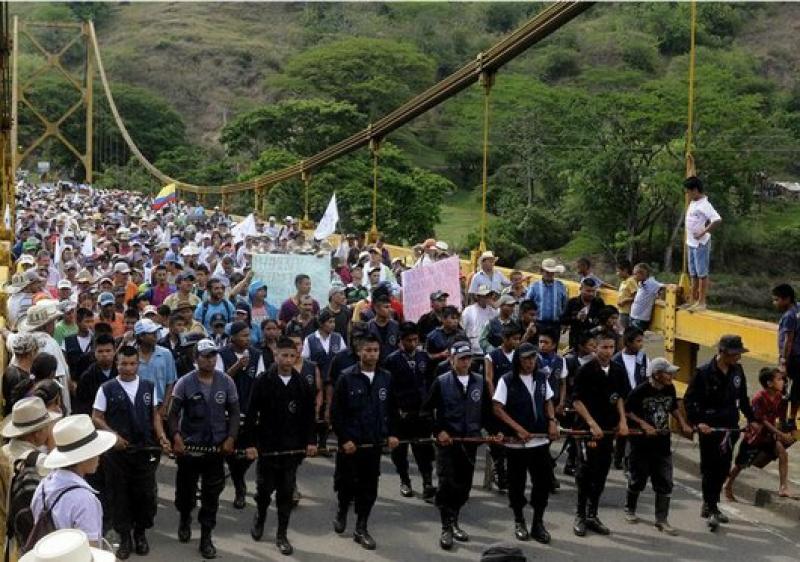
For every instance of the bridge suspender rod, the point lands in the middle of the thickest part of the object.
(535, 30)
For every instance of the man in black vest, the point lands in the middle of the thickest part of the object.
(523, 401)
(126, 405)
(497, 364)
(363, 418)
(600, 408)
(78, 349)
(281, 418)
(102, 370)
(408, 367)
(239, 360)
(716, 395)
(634, 361)
(461, 405)
(432, 319)
(204, 413)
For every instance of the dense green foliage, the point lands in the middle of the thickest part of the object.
(587, 129)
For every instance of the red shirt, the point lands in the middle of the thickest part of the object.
(766, 408)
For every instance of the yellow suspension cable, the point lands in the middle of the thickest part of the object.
(690, 167)
(306, 177)
(487, 80)
(374, 146)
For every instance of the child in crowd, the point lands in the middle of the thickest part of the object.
(769, 442)
(647, 292)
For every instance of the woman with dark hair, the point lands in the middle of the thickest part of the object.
(43, 367)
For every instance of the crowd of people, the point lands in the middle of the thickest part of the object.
(135, 332)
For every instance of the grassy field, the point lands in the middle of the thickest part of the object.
(460, 215)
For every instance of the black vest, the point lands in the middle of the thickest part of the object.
(520, 406)
(461, 415)
(134, 422)
(243, 379)
(317, 353)
(500, 363)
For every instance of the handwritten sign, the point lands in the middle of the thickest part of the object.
(420, 282)
(279, 270)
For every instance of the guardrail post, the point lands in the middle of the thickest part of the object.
(681, 353)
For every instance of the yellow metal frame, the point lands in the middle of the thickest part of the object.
(53, 59)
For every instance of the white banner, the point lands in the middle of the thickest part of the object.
(328, 222)
(279, 270)
(245, 228)
(420, 282)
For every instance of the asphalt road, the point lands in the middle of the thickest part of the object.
(408, 529)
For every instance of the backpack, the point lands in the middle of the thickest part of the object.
(44, 524)
(206, 305)
(23, 484)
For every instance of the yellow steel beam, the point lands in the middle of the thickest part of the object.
(705, 328)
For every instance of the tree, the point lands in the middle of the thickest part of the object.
(303, 127)
(375, 75)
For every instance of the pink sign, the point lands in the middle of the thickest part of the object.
(420, 282)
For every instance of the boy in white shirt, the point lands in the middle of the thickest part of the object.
(701, 219)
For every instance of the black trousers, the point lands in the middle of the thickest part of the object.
(537, 463)
(593, 464)
(413, 427)
(130, 480)
(210, 471)
(238, 468)
(355, 479)
(277, 475)
(646, 461)
(716, 456)
(455, 467)
(621, 450)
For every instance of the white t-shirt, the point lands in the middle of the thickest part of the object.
(370, 375)
(509, 356)
(464, 380)
(285, 379)
(501, 396)
(130, 388)
(630, 367)
(699, 214)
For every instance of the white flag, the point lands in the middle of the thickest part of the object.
(87, 248)
(57, 251)
(245, 228)
(327, 224)
(7, 217)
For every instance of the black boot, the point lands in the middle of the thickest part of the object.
(631, 499)
(259, 519)
(362, 536)
(538, 532)
(125, 546)
(185, 527)
(140, 544)
(281, 541)
(593, 521)
(405, 486)
(446, 540)
(428, 489)
(340, 521)
(579, 527)
(520, 527)
(458, 533)
(207, 548)
(239, 500)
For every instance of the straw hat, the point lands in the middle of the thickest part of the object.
(38, 315)
(76, 441)
(66, 545)
(18, 282)
(27, 416)
(487, 255)
(552, 266)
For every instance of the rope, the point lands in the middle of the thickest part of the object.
(487, 80)
(374, 146)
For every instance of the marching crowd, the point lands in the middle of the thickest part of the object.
(136, 332)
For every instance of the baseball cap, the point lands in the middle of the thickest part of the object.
(526, 350)
(460, 349)
(336, 289)
(218, 319)
(207, 347)
(105, 299)
(661, 365)
(437, 295)
(31, 277)
(121, 267)
(145, 326)
(149, 309)
(484, 290)
(184, 275)
(64, 284)
(732, 344)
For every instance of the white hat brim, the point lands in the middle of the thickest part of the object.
(97, 556)
(554, 269)
(9, 430)
(25, 326)
(102, 443)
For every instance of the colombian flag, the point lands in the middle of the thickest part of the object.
(165, 196)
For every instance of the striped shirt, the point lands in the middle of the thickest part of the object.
(550, 299)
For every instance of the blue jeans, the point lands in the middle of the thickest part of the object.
(699, 259)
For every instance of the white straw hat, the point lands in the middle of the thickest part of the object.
(76, 441)
(66, 545)
(28, 415)
(38, 315)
